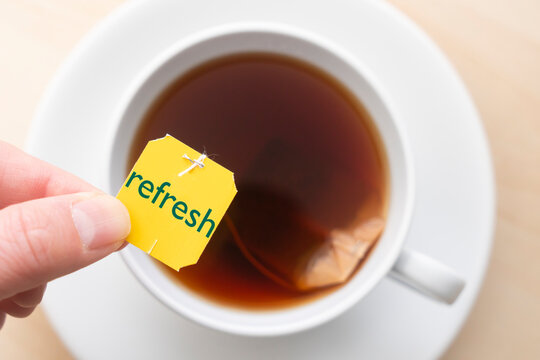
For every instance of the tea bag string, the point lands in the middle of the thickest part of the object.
(194, 163)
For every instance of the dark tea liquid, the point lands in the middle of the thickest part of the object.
(303, 151)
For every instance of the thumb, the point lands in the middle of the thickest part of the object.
(43, 239)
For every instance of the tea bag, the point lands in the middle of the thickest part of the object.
(335, 261)
(272, 223)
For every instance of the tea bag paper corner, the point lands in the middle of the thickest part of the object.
(176, 198)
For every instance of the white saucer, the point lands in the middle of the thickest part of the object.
(103, 312)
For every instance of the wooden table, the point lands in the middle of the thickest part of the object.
(495, 45)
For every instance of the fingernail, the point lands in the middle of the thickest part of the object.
(101, 221)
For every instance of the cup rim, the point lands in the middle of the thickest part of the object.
(385, 264)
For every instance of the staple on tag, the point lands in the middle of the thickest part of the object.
(194, 163)
(153, 246)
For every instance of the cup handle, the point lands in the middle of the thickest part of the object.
(428, 276)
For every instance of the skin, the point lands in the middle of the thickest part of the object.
(40, 238)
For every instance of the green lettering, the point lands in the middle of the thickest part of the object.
(160, 190)
(183, 210)
(179, 209)
(167, 197)
(143, 186)
(193, 221)
(204, 221)
(131, 177)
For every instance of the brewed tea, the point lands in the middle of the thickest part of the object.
(306, 157)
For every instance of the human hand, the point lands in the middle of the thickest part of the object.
(51, 224)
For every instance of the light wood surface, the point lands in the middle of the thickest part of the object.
(495, 45)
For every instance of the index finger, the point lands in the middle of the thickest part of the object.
(24, 177)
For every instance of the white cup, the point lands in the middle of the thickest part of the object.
(388, 257)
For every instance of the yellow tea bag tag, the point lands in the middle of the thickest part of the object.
(176, 198)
